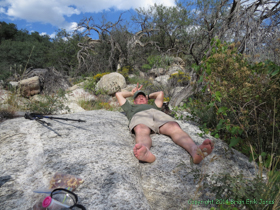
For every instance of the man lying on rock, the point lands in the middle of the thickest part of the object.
(145, 118)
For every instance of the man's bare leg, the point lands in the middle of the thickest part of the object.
(143, 144)
(181, 138)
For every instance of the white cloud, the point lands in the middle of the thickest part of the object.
(71, 26)
(54, 11)
(50, 11)
(2, 10)
(53, 35)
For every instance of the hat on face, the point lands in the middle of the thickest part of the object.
(137, 93)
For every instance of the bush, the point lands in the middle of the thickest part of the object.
(90, 83)
(125, 71)
(247, 192)
(157, 61)
(48, 104)
(97, 77)
(179, 79)
(240, 101)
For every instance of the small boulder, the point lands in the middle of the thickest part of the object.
(157, 72)
(29, 87)
(14, 84)
(80, 94)
(111, 83)
(179, 61)
(161, 80)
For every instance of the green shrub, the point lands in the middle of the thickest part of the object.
(240, 101)
(125, 71)
(247, 192)
(179, 79)
(89, 85)
(97, 77)
(48, 104)
(157, 61)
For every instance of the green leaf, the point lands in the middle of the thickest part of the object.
(213, 50)
(211, 104)
(240, 131)
(263, 154)
(233, 130)
(275, 72)
(218, 95)
(200, 79)
(234, 141)
(208, 69)
(222, 109)
(220, 124)
(217, 136)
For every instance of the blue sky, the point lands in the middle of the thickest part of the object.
(47, 16)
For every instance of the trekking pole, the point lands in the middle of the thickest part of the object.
(38, 117)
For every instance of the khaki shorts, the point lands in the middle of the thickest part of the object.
(152, 118)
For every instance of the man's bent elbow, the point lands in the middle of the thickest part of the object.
(161, 93)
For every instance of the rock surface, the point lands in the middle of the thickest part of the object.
(100, 152)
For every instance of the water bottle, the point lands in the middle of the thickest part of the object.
(53, 204)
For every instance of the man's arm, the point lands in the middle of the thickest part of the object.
(122, 95)
(159, 96)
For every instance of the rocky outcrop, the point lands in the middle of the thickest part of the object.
(100, 152)
(50, 79)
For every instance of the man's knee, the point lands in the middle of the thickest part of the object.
(169, 128)
(142, 129)
(173, 125)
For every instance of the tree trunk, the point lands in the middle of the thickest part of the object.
(187, 91)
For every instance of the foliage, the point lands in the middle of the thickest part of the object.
(250, 192)
(63, 52)
(90, 83)
(180, 78)
(97, 77)
(15, 49)
(172, 23)
(239, 102)
(48, 104)
(101, 103)
(166, 99)
(157, 61)
(125, 71)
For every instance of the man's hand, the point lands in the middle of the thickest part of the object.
(134, 90)
(122, 95)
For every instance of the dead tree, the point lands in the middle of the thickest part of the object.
(123, 55)
(89, 45)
